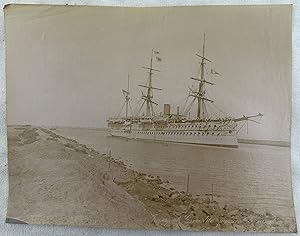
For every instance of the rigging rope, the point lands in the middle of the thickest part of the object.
(137, 106)
(241, 127)
(121, 109)
(224, 113)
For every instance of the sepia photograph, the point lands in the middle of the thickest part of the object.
(175, 118)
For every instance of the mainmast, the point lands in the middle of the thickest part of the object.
(148, 98)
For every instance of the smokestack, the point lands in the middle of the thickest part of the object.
(167, 109)
(178, 110)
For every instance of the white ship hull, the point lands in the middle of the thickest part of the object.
(192, 137)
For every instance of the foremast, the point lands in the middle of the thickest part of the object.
(199, 94)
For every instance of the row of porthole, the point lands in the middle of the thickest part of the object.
(191, 126)
(175, 132)
(180, 133)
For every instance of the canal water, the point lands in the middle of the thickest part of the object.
(251, 176)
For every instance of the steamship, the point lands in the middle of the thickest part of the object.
(179, 127)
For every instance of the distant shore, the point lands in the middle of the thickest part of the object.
(264, 142)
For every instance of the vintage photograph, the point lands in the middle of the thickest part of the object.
(172, 118)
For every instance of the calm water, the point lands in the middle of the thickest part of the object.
(252, 176)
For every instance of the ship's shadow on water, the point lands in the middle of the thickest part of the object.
(254, 176)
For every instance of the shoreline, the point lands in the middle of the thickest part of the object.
(265, 142)
(169, 208)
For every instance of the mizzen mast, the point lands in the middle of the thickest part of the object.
(126, 103)
(127, 97)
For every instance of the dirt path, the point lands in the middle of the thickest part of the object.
(55, 180)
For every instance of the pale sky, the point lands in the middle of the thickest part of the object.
(66, 66)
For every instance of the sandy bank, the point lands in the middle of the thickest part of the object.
(55, 181)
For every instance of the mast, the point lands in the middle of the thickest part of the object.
(148, 98)
(149, 89)
(126, 103)
(199, 94)
(201, 86)
(127, 98)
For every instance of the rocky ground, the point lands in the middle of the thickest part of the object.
(55, 180)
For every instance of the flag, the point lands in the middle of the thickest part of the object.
(158, 59)
(212, 71)
(156, 52)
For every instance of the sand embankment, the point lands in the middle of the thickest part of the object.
(55, 180)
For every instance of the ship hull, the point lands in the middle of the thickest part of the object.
(187, 137)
